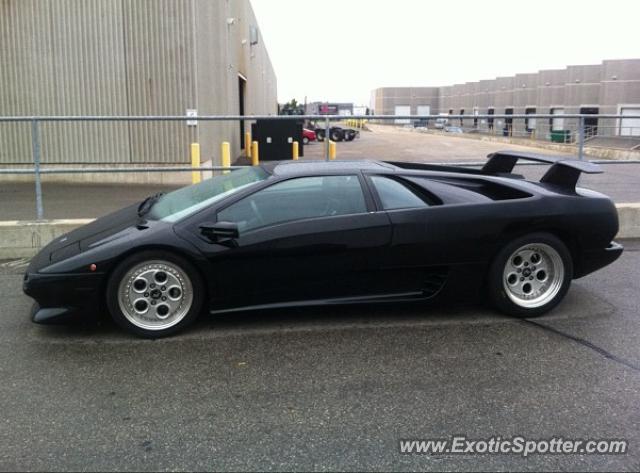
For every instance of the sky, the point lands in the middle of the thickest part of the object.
(340, 50)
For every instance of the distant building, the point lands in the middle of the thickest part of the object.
(360, 110)
(612, 87)
(405, 101)
(329, 108)
(129, 57)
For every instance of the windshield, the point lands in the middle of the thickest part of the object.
(188, 200)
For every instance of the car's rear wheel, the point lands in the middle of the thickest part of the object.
(530, 275)
(336, 135)
(305, 140)
(154, 294)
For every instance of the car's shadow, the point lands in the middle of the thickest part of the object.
(338, 316)
(316, 318)
(579, 303)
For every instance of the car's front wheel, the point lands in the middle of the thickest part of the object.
(530, 275)
(305, 140)
(154, 294)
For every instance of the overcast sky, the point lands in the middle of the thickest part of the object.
(340, 50)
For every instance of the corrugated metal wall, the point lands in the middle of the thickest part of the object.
(159, 53)
(63, 57)
(125, 57)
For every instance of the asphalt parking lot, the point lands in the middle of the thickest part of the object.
(325, 389)
(63, 200)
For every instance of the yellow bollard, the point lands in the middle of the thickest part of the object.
(196, 176)
(247, 144)
(296, 150)
(332, 150)
(225, 150)
(255, 154)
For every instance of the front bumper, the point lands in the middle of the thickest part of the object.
(63, 297)
(596, 259)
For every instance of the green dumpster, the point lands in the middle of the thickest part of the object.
(560, 136)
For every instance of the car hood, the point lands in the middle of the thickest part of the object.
(80, 239)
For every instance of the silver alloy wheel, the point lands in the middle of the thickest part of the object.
(155, 295)
(533, 275)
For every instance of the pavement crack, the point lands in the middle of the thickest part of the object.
(586, 343)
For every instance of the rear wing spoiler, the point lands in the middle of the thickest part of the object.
(564, 172)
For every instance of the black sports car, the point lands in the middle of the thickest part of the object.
(308, 233)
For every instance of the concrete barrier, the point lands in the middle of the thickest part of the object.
(629, 215)
(22, 239)
(19, 239)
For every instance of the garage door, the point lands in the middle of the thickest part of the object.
(424, 110)
(630, 126)
(557, 124)
(402, 110)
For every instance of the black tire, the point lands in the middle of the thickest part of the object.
(320, 135)
(503, 293)
(305, 140)
(188, 271)
(337, 135)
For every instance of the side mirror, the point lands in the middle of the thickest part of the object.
(220, 232)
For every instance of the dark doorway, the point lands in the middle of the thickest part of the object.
(507, 130)
(590, 124)
(490, 111)
(242, 88)
(530, 123)
(461, 119)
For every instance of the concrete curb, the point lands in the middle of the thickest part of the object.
(23, 239)
(629, 216)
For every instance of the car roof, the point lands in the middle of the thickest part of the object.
(306, 168)
(288, 168)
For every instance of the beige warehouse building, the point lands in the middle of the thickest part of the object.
(130, 57)
(612, 87)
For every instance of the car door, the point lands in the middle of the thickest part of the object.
(431, 243)
(300, 239)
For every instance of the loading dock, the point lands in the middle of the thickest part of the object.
(590, 123)
(530, 123)
(629, 126)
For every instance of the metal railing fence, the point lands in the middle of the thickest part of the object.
(579, 134)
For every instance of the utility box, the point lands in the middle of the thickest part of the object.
(275, 138)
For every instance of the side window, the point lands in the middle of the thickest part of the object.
(395, 195)
(297, 199)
